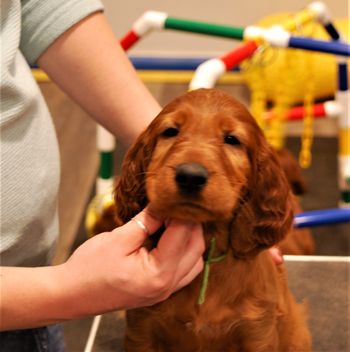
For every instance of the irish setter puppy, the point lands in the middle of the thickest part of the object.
(204, 158)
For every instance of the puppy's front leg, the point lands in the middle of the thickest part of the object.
(139, 336)
(261, 340)
(145, 345)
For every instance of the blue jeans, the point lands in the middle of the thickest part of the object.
(45, 339)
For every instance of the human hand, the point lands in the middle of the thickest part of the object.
(276, 255)
(114, 271)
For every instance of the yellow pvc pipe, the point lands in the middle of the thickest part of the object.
(299, 19)
(185, 77)
(344, 141)
(161, 77)
(40, 76)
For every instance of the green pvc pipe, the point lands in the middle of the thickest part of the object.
(204, 28)
(106, 165)
(345, 196)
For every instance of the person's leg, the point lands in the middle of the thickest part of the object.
(45, 339)
(55, 338)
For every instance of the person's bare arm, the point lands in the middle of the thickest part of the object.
(88, 63)
(110, 271)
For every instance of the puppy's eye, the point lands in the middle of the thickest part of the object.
(170, 132)
(232, 140)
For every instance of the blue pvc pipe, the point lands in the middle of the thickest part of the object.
(331, 47)
(343, 84)
(332, 31)
(166, 63)
(322, 217)
(158, 63)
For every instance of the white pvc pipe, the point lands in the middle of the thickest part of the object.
(343, 99)
(277, 36)
(207, 74)
(321, 12)
(150, 20)
(333, 108)
(105, 140)
(253, 33)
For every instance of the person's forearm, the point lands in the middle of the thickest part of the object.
(88, 63)
(31, 297)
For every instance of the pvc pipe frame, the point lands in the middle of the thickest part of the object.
(331, 47)
(168, 63)
(210, 71)
(331, 109)
(276, 36)
(322, 217)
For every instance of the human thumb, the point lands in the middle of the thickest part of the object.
(134, 232)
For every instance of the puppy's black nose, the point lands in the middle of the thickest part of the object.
(191, 177)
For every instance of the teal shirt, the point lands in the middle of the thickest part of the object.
(29, 156)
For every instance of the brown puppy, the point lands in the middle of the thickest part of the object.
(204, 158)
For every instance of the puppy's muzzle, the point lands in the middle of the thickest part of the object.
(191, 178)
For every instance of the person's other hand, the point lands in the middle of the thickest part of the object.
(114, 271)
(276, 255)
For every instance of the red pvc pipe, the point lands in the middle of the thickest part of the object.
(129, 40)
(298, 112)
(239, 54)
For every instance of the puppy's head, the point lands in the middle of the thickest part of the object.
(204, 158)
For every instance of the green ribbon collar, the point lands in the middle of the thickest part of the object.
(209, 260)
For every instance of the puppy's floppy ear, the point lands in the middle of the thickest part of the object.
(130, 192)
(266, 214)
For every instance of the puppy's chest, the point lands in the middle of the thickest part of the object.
(216, 321)
(216, 317)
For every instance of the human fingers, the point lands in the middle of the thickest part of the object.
(192, 274)
(133, 233)
(276, 255)
(180, 247)
(189, 260)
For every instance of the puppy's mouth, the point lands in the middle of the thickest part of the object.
(191, 205)
(186, 210)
